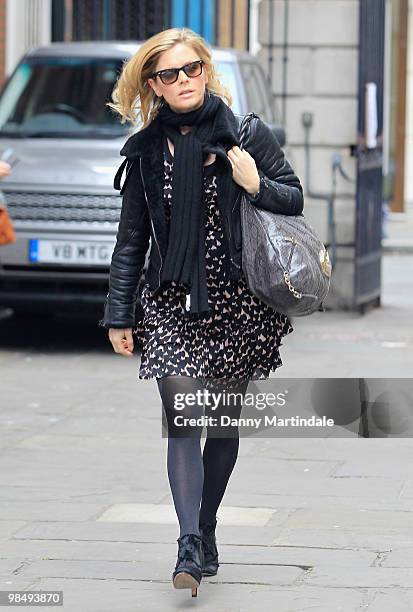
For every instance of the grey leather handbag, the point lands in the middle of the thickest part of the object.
(284, 262)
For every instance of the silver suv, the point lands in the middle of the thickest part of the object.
(66, 142)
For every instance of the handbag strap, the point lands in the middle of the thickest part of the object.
(245, 129)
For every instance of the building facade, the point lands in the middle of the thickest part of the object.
(314, 52)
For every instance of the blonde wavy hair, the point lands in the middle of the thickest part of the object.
(134, 99)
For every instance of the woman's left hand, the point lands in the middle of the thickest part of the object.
(244, 169)
(5, 168)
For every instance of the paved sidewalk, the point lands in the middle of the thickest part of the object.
(305, 524)
(85, 507)
(398, 230)
(378, 344)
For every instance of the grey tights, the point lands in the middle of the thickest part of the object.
(198, 480)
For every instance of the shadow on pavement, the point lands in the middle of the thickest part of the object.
(69, 332)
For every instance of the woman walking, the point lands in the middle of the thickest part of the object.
(201, 328)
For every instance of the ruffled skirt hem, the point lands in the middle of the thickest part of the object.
(228, 351)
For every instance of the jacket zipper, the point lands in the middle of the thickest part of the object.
(230, 238)
(150, 218)
(230, 243)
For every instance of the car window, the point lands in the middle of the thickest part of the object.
(61, 96)
(256, 89)
(226, 73)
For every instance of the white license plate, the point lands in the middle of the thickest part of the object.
(88, 252)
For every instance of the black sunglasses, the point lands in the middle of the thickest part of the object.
(170, 75)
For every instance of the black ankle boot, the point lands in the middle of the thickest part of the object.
(188, 568)
(209, 549)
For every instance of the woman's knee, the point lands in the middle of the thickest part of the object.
(224, 407)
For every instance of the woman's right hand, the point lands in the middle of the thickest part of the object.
(122, 341)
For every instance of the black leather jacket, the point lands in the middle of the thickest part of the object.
(142, 220)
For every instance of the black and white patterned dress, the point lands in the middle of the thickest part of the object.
(239, 339)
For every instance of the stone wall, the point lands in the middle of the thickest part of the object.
(322, 70)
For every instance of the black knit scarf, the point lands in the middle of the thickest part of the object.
(214, 131)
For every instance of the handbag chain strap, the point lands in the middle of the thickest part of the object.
(296, 293)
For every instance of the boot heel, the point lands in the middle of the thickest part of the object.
(188, 569)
